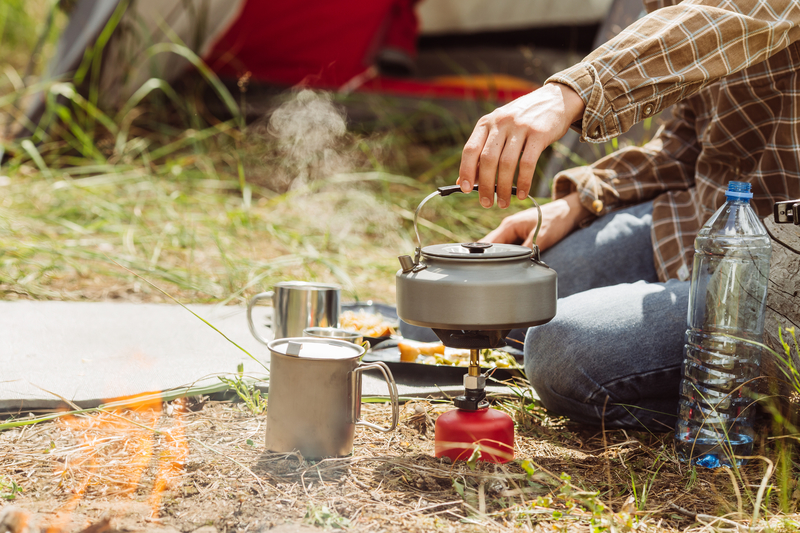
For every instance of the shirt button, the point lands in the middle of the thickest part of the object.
(648, 110)
(596, 133)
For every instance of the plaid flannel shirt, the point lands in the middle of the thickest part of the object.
(732, 67)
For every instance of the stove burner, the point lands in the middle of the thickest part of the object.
(472, 339)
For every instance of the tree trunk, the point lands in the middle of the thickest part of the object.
(783, 311)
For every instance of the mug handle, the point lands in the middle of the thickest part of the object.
(387, 375)
(250, 304)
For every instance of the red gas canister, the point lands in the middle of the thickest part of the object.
(459, 432)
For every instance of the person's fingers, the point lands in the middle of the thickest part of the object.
(545, 239)
(496, 235)
(513, 229)
(470, 156)
(501, 234)
(487, 169)
(542, 239)
(527, 168)
(529, 240)
(506, 168)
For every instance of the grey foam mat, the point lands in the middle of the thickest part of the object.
(94, 352)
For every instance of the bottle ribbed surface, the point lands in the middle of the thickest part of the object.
(725, 319)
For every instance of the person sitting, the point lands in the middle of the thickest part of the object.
(620, 232)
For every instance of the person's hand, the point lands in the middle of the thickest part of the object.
(559, 219)
(517, 132)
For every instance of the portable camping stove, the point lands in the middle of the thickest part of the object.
(474, 427)
(472, 295)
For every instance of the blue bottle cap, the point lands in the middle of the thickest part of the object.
(738, 190)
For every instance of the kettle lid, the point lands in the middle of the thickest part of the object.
(482, 251)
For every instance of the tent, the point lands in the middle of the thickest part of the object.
(369, 46)
(343, 45)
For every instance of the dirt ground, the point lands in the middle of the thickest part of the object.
(196, 465)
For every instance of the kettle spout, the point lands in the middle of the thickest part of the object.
(406, 263)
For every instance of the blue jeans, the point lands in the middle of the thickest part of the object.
(613, 353)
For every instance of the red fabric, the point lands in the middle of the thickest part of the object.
(327, 43)
(403, 27)
(322, 43)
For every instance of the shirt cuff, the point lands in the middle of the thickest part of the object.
(601, 120)
(597, 125)
(594, 190)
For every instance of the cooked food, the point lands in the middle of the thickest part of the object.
(410, 350)
(408, 353)
(368, 324)
(499, 359)
(435, 353)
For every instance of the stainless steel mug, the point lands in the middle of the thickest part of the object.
(314, 400)
(334, 333)
(297, 305)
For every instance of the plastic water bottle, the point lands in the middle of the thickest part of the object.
(726, 317)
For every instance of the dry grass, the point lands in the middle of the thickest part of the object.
(203, 463)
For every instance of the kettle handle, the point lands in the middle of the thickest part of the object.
(356, 395)
(450, 189)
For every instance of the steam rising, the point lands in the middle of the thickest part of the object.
(312, 144)
(309, 129)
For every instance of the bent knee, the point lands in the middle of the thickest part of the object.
(550, 365)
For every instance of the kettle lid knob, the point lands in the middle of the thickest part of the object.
(476, 247)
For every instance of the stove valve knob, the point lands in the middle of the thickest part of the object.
(474, 382)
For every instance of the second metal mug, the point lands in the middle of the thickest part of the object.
(297, 305)
(334, 333)
(314, 401)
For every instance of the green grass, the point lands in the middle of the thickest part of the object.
(8, 488)
(191, 230)
(210, 209)
(22, 23)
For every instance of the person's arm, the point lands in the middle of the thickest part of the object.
(671, 54)
(627, 176)
(559, 218)
(664, 57)
(637, 173)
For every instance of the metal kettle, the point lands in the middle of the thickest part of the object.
(472, 294)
